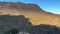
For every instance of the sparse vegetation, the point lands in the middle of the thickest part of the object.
(15, 24)
(11, 31)
(44, 29)
(19, 22)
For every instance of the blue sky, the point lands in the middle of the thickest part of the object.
(47, 5)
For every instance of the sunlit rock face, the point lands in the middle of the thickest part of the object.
(35, 14)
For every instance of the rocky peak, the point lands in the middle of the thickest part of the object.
(19, 5)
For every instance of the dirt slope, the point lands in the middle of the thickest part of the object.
(36, 15)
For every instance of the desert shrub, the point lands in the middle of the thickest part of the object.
(12, 31)
(44, 29)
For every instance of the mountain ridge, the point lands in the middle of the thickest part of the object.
(37, 16)
(19, 5)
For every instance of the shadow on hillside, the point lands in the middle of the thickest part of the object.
(15, 24)
(44, 29)
(8, 23)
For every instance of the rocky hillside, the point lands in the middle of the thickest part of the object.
(35, 14)
(19, 6)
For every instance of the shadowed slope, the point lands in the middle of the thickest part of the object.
(8, 22)
(14, 24)
(44, 29)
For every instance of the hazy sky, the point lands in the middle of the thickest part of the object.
(47, 5)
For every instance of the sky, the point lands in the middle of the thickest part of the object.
(52, 6)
